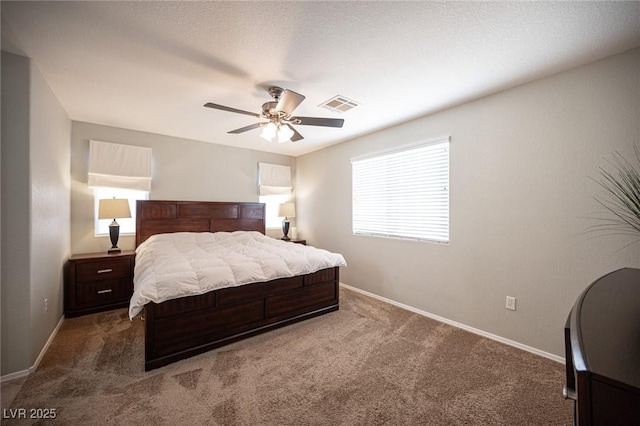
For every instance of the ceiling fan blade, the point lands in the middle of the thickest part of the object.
(247, 128)
(289, 101)
(229, 109)
(296, 136)
(319, 121)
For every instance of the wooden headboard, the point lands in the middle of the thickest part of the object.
(158, 217)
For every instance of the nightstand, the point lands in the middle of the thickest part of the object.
(97, 282)
(296, 241)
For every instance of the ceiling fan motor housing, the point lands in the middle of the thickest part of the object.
(269, 109)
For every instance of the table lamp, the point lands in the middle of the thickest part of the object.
(114, 208)
(287, 210)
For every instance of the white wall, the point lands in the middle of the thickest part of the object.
(520, 199)
(35, 211)
(16, 273)
(182, 170)
(50, 136)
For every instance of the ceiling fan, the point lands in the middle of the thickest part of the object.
(278, 113)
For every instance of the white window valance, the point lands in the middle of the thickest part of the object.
(119, 166)
(274, 179)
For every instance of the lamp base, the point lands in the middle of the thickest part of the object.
(114, 233)
(285, 230)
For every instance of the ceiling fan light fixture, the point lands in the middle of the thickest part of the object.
(276, 133)
(269, 132)
(284, 134)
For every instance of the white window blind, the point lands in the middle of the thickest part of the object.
(274, 179)
(403, 193)
(119, 166)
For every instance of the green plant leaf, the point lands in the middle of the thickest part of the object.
(621, 197)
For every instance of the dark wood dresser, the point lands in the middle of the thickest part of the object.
(602, 347)
(97, 282)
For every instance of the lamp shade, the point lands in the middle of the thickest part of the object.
(113, 208)
(287, 210)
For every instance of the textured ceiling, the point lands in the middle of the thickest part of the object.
(151, 66)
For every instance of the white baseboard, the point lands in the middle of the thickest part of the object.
(460, 325)
(23, 373)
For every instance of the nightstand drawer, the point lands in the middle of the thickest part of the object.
(103, 292)
(95, 271)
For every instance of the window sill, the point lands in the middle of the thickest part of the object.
(122, 234)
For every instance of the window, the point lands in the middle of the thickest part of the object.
(403, 193)
(272, 220)
(274, 185)
(118, 171)
(127, 226)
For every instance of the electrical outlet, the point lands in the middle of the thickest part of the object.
(46, 304)
(511, 303)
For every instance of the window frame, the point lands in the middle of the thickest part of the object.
(396, 221)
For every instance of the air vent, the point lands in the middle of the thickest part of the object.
(339, 104)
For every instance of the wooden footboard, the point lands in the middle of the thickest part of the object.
(180, 328)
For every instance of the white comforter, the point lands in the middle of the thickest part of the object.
(181, 264)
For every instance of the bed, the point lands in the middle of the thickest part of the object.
(179, 328)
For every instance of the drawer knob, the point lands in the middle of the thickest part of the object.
(104, 271)
(104, 291)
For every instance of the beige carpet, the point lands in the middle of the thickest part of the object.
(368, 364)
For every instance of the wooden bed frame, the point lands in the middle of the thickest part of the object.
(180, 328)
